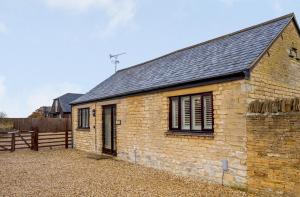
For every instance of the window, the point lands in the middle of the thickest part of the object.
(56, 105)
(84, 118)
(192, 113)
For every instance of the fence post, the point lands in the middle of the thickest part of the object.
(13, 142)
(67, 139)
(36, 139)
(32, 138)
(66, 134)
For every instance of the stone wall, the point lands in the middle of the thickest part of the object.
(277, 75)
(141, 137)
(85, 139)
(273, 162)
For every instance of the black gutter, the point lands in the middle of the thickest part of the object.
(245, 74)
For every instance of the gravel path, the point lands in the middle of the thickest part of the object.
(71, 173)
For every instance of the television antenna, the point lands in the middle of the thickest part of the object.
(114, 59)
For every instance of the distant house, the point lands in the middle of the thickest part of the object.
(61, 107)
(42, 112)
(185, 112)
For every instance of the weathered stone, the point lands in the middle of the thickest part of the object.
(273, 157)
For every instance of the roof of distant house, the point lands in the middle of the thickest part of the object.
(44, 108)
(66, 99)
(225, 56)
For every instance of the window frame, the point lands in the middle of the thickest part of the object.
(80, 116)
(179, 129)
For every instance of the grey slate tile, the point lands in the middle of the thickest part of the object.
(219, 57)
(66, 99)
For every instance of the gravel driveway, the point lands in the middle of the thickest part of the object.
(71, 173)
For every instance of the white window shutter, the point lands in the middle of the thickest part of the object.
(175, 113)
(185, 112)
(86, 118)
(83, 118)
(207, 112)
(196, 112)
(79, 118)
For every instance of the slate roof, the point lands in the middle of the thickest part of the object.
(65, 101)
(229, 54)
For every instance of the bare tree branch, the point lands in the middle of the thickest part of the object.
(3, 115)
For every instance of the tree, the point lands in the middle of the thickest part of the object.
(2, 115)
(36, 115)
(4, 124)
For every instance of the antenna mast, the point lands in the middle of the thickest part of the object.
(114, 59)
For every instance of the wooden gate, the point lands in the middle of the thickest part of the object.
(34, 134)
(13, 140)
(34, 140)
(5, 142)
(22, 140)
(51, 139)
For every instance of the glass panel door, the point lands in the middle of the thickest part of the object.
(109, 130)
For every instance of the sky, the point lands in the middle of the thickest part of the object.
(52, 47)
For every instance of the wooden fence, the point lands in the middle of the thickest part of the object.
(27, 133)
(43, 124)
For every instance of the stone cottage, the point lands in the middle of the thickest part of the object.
(185, 112)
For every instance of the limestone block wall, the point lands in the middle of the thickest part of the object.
(273, 161)
(89, 140)
(84, 139)
(277, 75)
(142, 138)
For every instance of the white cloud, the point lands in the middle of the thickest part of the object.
(277, 6)
(120, 15)
(77, 5)
(119, 12)
(3, 28)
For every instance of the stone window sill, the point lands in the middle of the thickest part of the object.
(206, 135)
(83, 129)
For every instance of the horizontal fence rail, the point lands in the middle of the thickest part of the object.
(30, 133)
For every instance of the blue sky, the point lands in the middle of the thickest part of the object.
(50, 47)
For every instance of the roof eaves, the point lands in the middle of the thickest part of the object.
(296, 24)
(213, 80)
